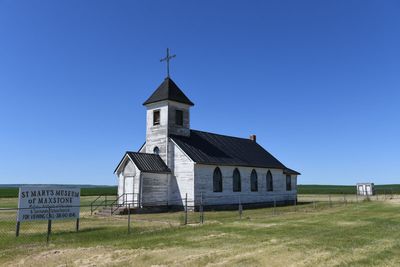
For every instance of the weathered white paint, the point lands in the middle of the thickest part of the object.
(157, 135)
(155, 189)
(128, 182)
(182, 178)
(128, 187)
(203, 184)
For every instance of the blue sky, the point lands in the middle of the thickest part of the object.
(317, 81)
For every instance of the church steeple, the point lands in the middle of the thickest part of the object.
(168, 90)
(168, 113)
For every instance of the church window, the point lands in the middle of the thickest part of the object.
(156, 117)
(254, 181)
(156, 150)
(288, 182)
(270, 183)
(179, 117)
(237, 183)
(217, 180)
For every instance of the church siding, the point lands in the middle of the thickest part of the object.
(155, 189)
(204, 186)
(156, 134)
(120, 184)
(182, 178)
(173, 127)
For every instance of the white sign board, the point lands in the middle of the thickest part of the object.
(48, 203)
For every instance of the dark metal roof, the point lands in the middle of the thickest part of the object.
(290, 171)
(147, 162)
(168, 90)
(215, 149)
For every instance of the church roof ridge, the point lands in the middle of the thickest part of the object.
(137, 152)
(168, 90)
(222, 135)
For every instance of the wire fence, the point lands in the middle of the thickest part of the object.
(125, 216)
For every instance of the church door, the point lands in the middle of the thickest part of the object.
(128, 190)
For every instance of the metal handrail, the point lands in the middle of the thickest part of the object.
(91, 204)
(115, 202)
(124, 202)
(97, 205)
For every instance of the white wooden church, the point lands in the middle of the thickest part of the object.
(176, 161)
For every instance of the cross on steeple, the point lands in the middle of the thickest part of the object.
(167, 59)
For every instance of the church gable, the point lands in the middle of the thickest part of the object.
(129, 168)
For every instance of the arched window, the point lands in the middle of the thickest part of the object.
(288, 182)
(254, 181)
(270, 183)
(156, 150)
(217, 180)
(237, 183)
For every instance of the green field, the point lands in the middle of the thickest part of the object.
(345, 189)
(364, 233)
(6, 192)
(302, 189)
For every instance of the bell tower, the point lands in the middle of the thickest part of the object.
(168, 113)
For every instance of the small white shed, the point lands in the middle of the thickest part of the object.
(365, 189)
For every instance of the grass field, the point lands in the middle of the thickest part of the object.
(366, 233)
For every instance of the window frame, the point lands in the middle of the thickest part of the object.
(238, 187)
(253, 182)
(288, 182)
(270, 181)
(179, 111)
(155, 121)
(156, 150)
(217, 184)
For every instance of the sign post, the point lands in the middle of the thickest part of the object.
(49, 227)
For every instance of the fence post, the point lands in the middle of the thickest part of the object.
(91, 209)
(48, 228)
(201, 209)
(240, 208)
(77, 225)
(129, 218)
(186, 210)
(17, 228)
